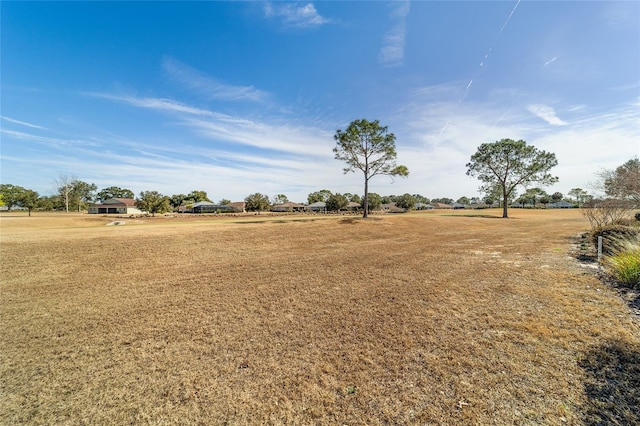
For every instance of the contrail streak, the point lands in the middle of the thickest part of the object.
(482, 64)
(500, 33)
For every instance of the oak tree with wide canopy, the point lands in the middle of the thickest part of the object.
(507, 164)
(114, 192)
(369, 147)
(153, 202)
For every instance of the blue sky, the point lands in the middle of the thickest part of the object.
(241, 97)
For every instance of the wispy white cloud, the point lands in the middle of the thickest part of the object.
(230, 129)
(285, 139)
(546, 113)
(550, 61)
(22, 123)
(393, 43)
(295, 15)
(207, 86)
(54, 142)
(161, 104)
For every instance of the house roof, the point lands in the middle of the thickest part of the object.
(128, 202)
(353, 204)
(318, 204)
(204, 203)
(561, 204)
(289, 204)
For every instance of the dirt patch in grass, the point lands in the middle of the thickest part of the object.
(405, 319)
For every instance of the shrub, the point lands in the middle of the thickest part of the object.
(624, 263)
(608, 212)
(614, 236)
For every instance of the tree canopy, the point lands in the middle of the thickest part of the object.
(74, 192)
(11, 194)
(406, 201)
(624, 182)
(368, 147)
(198, 196)
(507, 164)
(280, 199)
(337, 202)
(319, 196)
(153, 202)
(257, 202)
(579, 194)
(29, 199)
(114, 192)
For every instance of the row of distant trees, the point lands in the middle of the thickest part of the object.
(74, 194)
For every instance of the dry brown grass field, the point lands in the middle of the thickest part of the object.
(440, 318)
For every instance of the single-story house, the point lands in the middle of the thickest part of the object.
(209, 207)
(354, 206)
(319, 206)
(423, 206)
(237, 206)
(391, 208)
(288, 207)
(561, 205)
(441, 206)
(115, 206)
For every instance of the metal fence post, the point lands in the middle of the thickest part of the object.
(599, 252)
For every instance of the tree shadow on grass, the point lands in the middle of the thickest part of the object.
(357, 220)
(612, 386)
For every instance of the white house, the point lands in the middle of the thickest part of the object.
(115, 206)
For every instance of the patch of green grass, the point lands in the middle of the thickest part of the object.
(624, 263)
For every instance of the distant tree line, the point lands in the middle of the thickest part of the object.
(76, 195)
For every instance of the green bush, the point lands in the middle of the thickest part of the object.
(624, 263)
(614, 236)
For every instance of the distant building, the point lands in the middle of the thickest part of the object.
(391, 208)
(561, 205)
(441, 206)
(115, 206)
(209, 207)
(423, 206)
(319, 206)
(288, 207)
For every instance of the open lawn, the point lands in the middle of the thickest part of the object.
(423, 318)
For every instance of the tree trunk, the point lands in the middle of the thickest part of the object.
(505, 201)
(366, 198)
